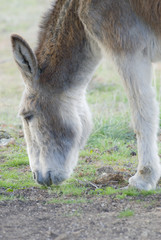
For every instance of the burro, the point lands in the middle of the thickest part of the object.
(74, 36)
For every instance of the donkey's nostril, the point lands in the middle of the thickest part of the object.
(42, 180)
(48, 180)
(38, 177)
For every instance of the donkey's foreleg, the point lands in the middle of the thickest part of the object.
(136, 71)
(135, 67)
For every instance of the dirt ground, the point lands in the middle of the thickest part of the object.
(34, 218)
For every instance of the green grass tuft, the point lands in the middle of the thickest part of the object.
(126, 213)
(6, 198)
(68, 201)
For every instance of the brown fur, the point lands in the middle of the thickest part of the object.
(149, 11)
(59, 42)
(117, 19)
(48, 26)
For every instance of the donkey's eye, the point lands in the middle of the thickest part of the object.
(28, 118)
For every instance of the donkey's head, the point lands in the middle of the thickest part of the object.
(52, 126)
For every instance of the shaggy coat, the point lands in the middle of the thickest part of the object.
(74, 36)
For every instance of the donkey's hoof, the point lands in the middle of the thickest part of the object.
(146, 178)
(140, 183)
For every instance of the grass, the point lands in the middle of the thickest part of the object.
(112, 140)
(122, 194)
(14, 167)
(67, 201)
(6, 198)
(10, 198)
(15, 172)
(126, 213)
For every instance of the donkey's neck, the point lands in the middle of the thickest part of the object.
(66, 54)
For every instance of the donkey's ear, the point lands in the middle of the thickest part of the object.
(24, 56)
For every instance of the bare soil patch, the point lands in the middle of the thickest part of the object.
(98, 218)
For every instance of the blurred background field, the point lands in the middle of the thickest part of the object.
(112, 141)
(20, 17)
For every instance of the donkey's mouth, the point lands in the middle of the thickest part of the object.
(49, 178)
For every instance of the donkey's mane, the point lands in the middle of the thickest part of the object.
(61, 31)
(49, 22)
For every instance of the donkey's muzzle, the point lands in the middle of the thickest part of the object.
(42, 180)
(48, 179)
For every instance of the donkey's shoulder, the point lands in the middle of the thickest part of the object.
(149, 11)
